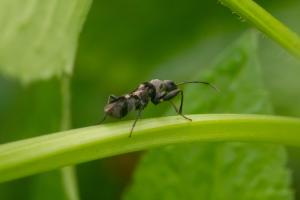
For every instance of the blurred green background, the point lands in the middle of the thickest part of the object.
(122, 44)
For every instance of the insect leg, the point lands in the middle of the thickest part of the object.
(111, 98)
(181, 102)
(138, 116)
(104, 118)
(170, 95)
(177, 111)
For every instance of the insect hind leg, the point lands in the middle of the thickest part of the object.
(112, 98)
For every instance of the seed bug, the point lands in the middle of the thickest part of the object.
(156, 91)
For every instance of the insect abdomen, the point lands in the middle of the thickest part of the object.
(117, 109)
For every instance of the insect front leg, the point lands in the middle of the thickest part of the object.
(138, 116)
(181, 106)
(172, 94)
(158, 98)
(177, 111)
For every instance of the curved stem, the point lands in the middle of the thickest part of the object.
(39, 154)
(68, 173)
(266, 23)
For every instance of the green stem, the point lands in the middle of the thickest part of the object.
(48, 152)
(266, 23)
(68, 173)
(66, 101)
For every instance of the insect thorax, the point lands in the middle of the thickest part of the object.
(143, 94)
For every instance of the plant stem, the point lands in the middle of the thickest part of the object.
(68, 173)
(266, 23)
(48, 152)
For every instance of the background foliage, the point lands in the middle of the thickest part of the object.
(123, 44)
(220, 170)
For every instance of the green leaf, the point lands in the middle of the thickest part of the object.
(219, 170)
(212, 171)
(38, 39)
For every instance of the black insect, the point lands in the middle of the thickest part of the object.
(155, 90)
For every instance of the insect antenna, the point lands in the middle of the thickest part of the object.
(202, 82)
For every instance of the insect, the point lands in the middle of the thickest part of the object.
(156, 91)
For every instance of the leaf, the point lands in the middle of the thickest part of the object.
(38, 39)
(219, 170)
(212, 171)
